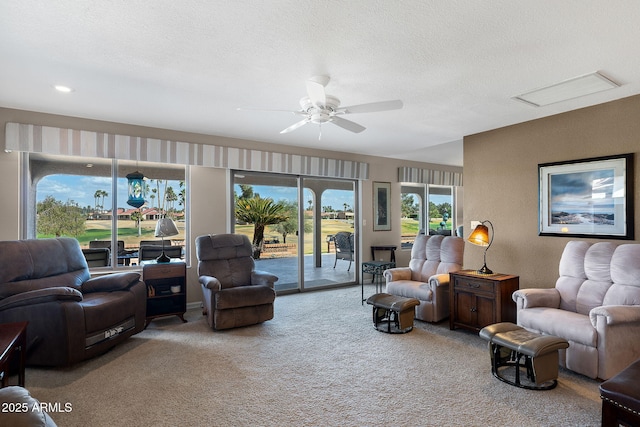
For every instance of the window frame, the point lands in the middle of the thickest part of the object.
(67, 166)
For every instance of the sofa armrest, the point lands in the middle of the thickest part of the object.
(439, 280)
(615, 314)
(536, 297)
(210, 282)
(259, 277)
(40, 296)
(110, 282)
(399, 273)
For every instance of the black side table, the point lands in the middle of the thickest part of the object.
(375, 268)
(390, 248)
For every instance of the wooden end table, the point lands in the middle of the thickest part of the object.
(477, 300)
(163, 280)
(13, 339)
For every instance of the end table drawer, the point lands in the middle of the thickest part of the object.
(160, 271)
(464, 284)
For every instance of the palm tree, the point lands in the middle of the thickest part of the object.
(103, 194)
(96, 198)
(259, 212)
(171, 197)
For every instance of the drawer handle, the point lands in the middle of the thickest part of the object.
(473, 285)
(473, 310)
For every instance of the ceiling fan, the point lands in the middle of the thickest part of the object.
(318, 107)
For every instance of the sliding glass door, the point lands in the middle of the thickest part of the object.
(329, 242)
(297, 243)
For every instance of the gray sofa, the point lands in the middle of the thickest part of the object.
(595, 305)
(71, 316)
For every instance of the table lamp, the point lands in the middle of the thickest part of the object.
(165, 227)
(480, 236)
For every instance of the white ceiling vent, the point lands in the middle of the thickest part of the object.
(568, 89)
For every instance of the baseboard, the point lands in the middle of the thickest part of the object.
(194, 305)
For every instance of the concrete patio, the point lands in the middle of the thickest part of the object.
(314, 277)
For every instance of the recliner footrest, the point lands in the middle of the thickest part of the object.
(391, 313)
(509, 343)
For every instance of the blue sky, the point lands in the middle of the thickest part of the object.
(334, 198)
(81, 188)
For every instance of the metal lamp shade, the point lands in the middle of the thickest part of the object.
(480, 236)
(165, 227)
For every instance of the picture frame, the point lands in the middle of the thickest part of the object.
(381, 206)
(587, 198)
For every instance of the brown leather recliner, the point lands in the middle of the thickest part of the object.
(71, 316)
(234, 293)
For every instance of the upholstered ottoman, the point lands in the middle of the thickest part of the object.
(508, 343)
(621, 397)
(391, 313)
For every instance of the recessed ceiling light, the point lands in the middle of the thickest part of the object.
(568, 89)
(63, 89)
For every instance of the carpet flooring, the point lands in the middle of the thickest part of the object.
(319, 362)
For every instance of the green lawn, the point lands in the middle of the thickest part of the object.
(329, 226)
(101, 230)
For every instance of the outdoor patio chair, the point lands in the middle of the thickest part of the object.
(97, 257)
(344, 247)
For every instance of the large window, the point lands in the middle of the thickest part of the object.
(86, 198)
(436, 216)
(412, 213)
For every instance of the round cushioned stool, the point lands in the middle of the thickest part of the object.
(508, 343)
(391, 313)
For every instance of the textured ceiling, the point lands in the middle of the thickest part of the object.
(189, 64)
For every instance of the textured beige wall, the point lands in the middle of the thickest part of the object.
(501, 182)
(209, 187)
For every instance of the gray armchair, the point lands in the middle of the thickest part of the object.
(427, 277)
(71, 316)
(234, 293)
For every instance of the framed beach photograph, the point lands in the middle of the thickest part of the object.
(587, 198)
(381, 206)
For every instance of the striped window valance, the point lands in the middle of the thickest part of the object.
(429, 176)
(73, 142)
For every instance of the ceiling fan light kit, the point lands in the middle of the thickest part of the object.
(320, 108)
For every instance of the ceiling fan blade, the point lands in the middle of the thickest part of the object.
(295, 126)
(347, 124)
(316, 93)
(371, 107)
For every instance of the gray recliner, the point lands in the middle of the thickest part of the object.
(71, 316)
(234, 293)
(595, 305)
(427, 277)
